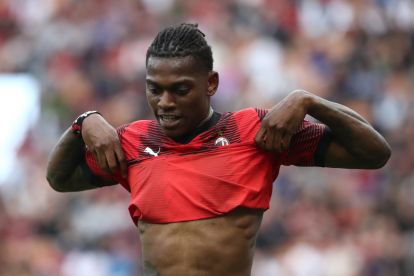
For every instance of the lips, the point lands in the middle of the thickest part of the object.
(169, 120)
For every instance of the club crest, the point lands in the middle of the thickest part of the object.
(221, 141)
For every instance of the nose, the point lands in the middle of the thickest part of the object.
(166, 100)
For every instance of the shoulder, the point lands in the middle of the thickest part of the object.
(135, 127)
(246, 121)
(134, 131)
(133, 134)
(249, 115)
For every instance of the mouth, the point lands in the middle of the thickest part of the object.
(169, 121)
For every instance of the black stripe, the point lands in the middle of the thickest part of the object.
(320, 153)
(261, 113)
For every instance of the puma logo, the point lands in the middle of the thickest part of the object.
(151, 152)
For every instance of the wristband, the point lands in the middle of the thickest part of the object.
(77, 124)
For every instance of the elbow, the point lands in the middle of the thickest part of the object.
(381, 157)
(54, 183)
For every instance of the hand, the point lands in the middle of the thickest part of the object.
(102, 140)
(282, 121)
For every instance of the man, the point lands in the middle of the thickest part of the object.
(199, 180)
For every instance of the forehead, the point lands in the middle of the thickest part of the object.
(174, 67)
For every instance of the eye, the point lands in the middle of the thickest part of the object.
(182, 90)
(153, 89)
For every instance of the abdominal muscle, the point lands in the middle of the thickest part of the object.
(218, 246)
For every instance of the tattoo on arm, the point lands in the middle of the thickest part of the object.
(64, 172)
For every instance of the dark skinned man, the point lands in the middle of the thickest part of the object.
(200, 180)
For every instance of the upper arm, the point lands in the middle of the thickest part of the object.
(315, 145)
(337, 156)
(81, 180)
(85, 176)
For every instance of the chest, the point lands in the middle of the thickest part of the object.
(208, 177)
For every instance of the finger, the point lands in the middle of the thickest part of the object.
(101, 158)
(121, 161)
(275, 143)
(285, 141)
(95, 157)
(260, 137)
(111, 160)
(278, 144)
(270, 137)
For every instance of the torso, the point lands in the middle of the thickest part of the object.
(218, 246)
(199, 205)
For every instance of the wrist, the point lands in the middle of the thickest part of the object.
(77, 124)
(305, 98)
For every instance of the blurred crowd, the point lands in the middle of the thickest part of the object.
(90, 55)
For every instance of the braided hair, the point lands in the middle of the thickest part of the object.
(181, 41)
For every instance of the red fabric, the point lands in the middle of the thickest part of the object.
(171, 182)
(115, 177)
(303, 145)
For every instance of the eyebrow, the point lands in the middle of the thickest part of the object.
(176, 83)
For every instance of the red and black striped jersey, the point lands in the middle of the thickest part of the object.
(217, 171)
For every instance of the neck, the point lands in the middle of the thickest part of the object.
(211, 119)
(208, 117)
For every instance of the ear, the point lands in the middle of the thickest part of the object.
(213, 82)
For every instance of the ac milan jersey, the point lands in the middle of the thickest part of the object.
(217, 171)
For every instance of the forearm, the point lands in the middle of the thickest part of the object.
(351, 131)
(64, 171)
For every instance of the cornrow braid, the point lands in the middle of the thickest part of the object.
(181, 41)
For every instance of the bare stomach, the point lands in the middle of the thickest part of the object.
(216, 246)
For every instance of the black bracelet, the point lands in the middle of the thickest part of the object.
(77, 124)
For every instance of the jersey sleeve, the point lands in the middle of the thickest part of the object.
(99, 177)
(307, 146)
